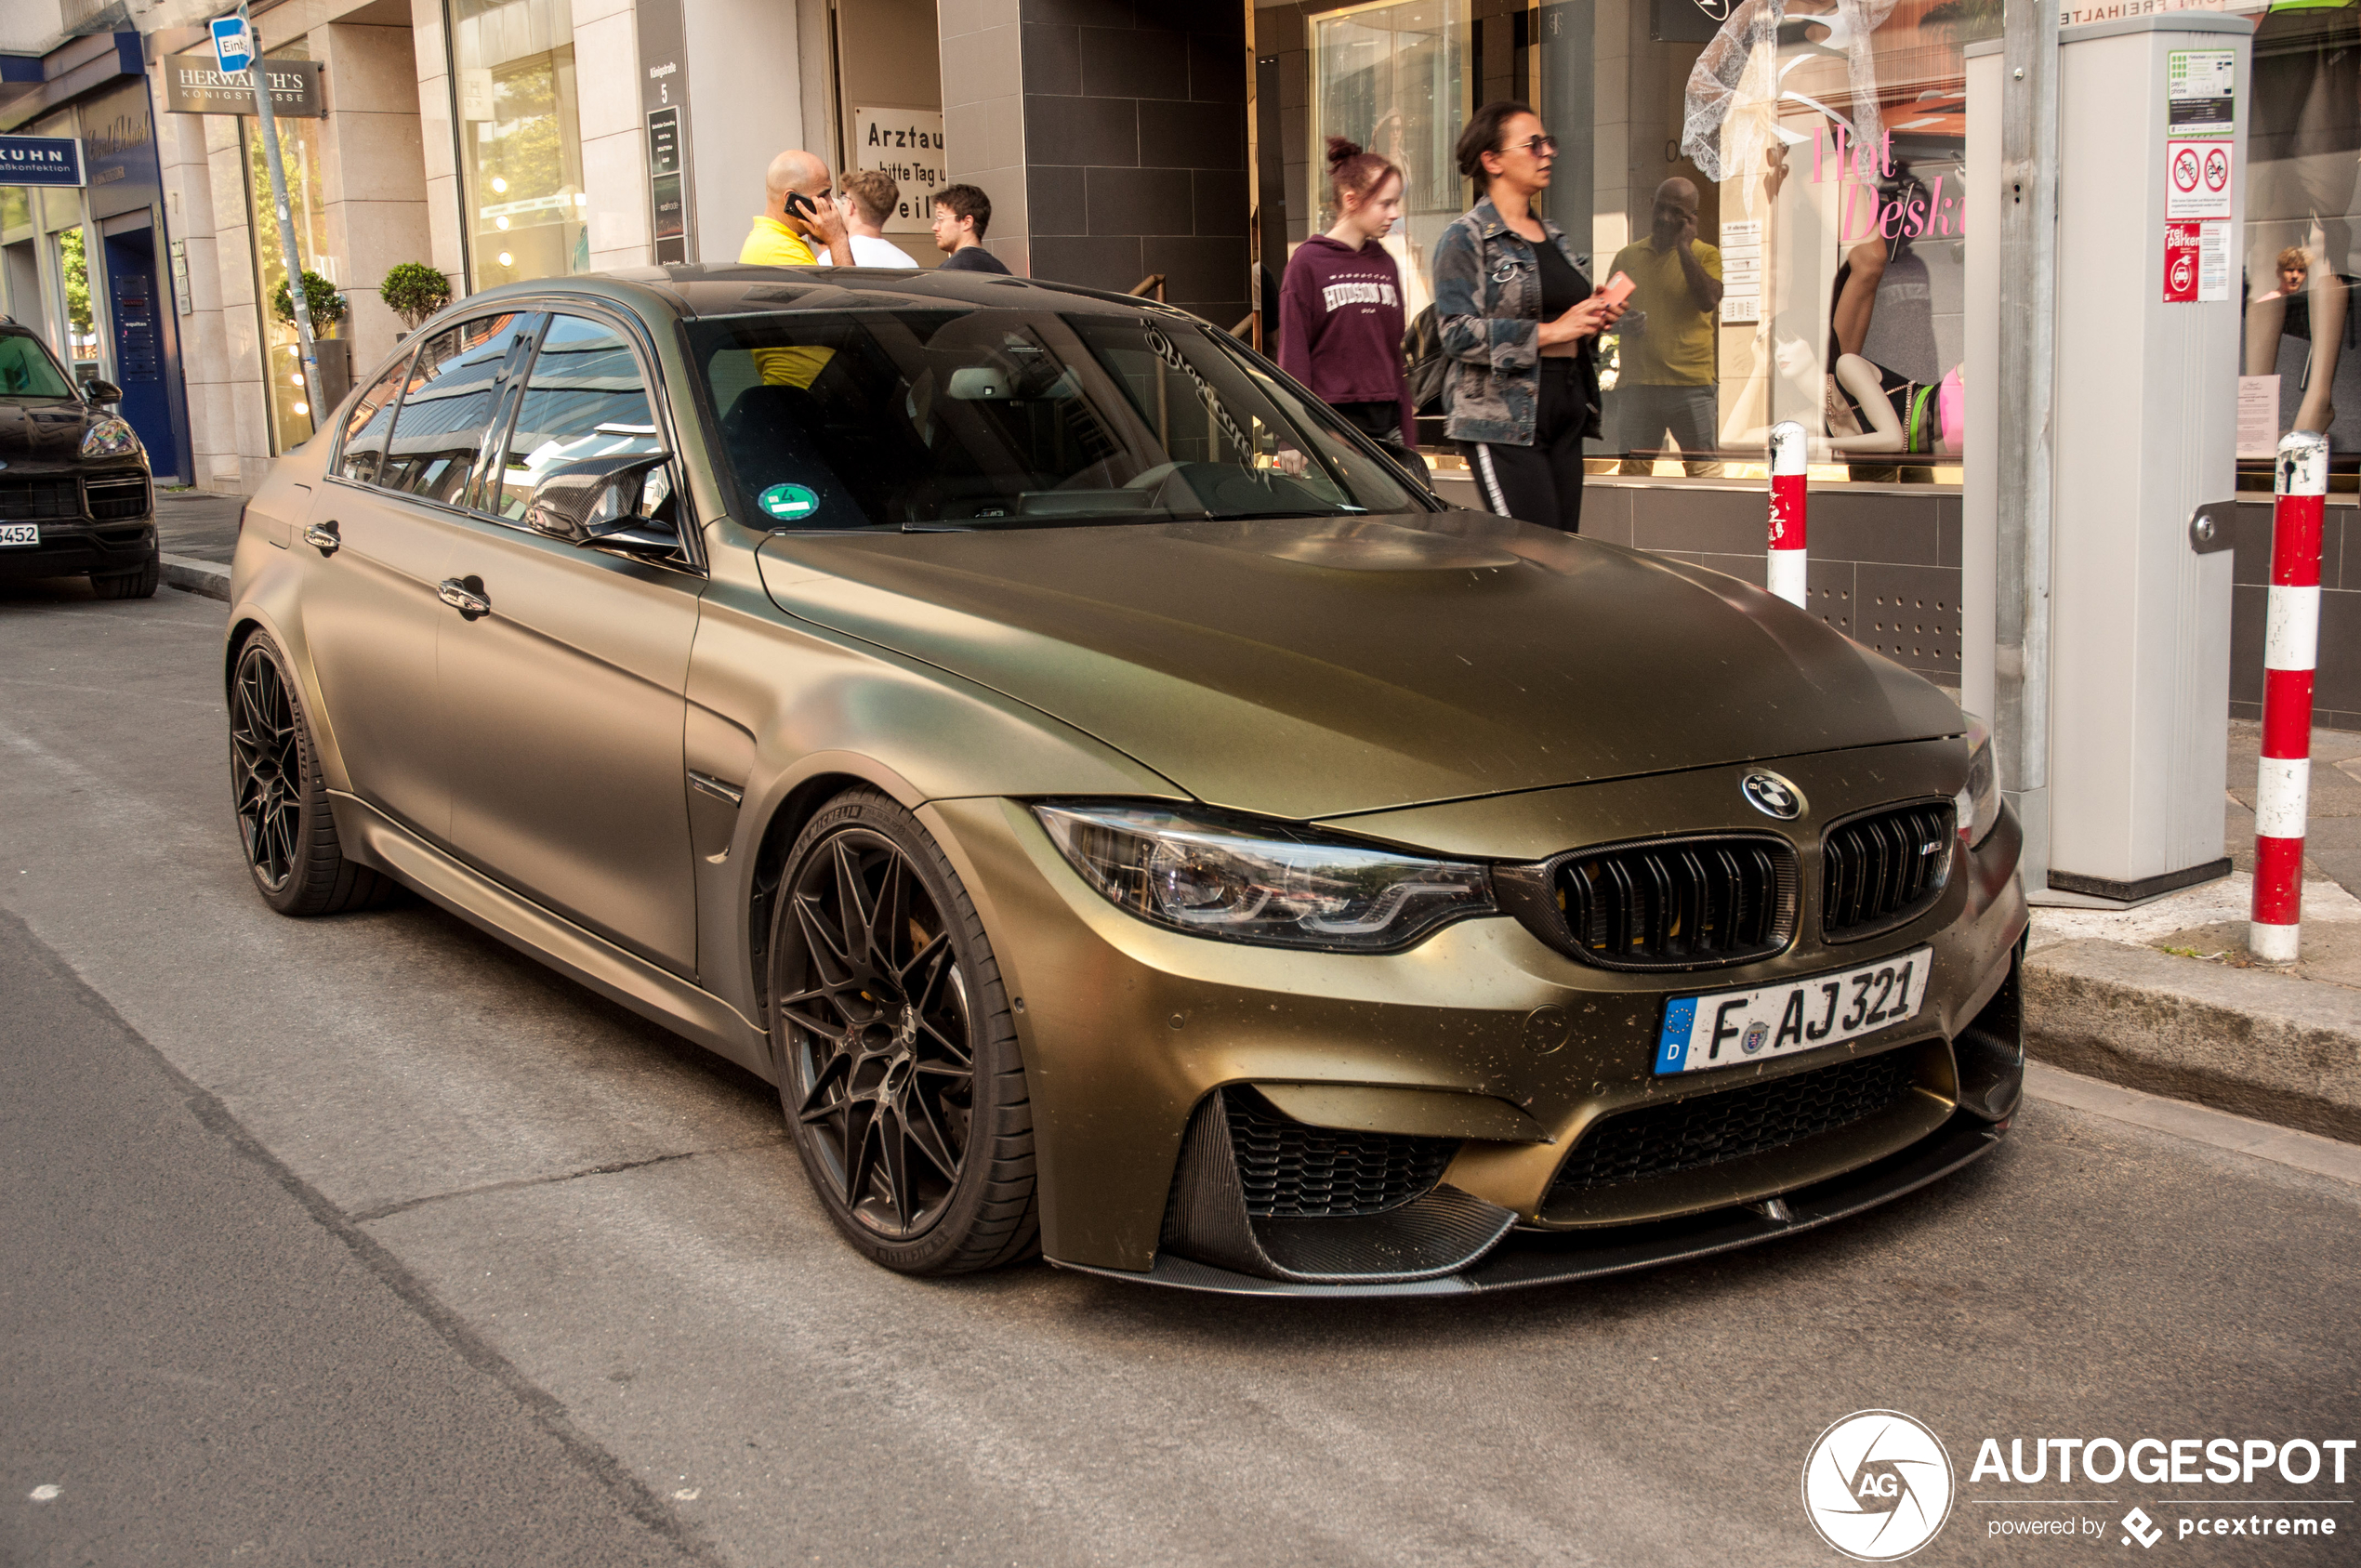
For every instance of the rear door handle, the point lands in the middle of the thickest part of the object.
(324, 537)
(465, 595)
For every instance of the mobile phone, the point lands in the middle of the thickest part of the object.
(1620, 288)
(800, 206)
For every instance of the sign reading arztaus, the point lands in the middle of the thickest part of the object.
(196, 84)
(40, 160)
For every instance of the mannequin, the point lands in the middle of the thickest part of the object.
(2310, 301)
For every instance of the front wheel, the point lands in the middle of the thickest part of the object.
(282, 797)
(140, 583)
(899, 1068)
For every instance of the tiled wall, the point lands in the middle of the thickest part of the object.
(1135, 139)
(2336, 692)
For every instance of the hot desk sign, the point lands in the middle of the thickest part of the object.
(40, 160)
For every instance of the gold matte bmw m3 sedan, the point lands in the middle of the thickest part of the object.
(1127, 817)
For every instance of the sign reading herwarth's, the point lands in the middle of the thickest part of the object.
(196, 84)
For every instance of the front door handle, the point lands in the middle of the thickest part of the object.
(466, 596)
(324, 537)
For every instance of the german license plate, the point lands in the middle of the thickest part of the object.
(20, 534)
(1725, 1028)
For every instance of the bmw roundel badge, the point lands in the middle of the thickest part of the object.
(1771, 795)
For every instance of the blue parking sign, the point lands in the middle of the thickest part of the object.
(233, 45)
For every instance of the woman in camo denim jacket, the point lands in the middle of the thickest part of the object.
(1522, 441)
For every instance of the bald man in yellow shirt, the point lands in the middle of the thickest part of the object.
(782, 237)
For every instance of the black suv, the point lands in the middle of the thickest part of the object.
(74, 493)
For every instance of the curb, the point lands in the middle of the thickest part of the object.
(2258, 1045)
(192, 576)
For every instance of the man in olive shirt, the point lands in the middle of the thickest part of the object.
(1665, 378)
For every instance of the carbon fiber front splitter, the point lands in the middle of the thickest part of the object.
(1531, 1258)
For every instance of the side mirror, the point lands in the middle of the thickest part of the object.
(102, 392)
(595, 503)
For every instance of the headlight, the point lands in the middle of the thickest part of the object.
(110, 437)
(1977, 806)
(1265, 883)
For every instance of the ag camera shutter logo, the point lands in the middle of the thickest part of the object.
(1878, 1485)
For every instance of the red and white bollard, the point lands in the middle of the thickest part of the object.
(1786, 512)
(2290, 651)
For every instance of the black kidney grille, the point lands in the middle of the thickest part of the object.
(117, 497)
(1291, 1171)
(23, 500)
(1877, 871)
(1687, 1134)
(1679, 902)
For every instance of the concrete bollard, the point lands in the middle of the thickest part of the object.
(1786, 512)
(2291, 651)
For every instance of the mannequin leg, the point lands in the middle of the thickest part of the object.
(1850, 318)
(2265, 318)
(1885, 433)
(2327, 294)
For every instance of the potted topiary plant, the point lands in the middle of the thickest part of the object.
(415, 290)
(327, 308)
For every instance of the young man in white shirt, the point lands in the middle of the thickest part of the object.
(867, 198)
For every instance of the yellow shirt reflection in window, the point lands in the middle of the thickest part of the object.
(772, 243)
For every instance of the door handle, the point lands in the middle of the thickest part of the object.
(466, 596)
(324, 537)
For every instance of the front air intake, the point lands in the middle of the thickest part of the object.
(116, 496)
(1882, 870)
(1291, 1171)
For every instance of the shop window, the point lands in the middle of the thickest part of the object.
(1822, 147)
(2302, 348)
(520, 139)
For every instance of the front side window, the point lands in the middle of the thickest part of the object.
(446, 407)
(27, 371)
(585, 398)
(366, 428)
(1021, 419)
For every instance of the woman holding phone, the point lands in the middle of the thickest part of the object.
(1341, 306)
(1521, 325)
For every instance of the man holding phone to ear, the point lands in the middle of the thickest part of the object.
(800, 209)
(1664, 379)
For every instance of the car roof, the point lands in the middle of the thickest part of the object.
(735, 290)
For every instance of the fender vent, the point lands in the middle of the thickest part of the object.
(1710, 1129)
(1291, 1171)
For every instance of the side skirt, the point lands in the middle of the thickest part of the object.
(653, 993)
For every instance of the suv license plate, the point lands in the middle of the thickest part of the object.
(1725, 1028)
(20, 534)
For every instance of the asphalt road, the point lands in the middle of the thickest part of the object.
(368, 1241)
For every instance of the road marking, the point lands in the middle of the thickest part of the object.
(2300, 1151)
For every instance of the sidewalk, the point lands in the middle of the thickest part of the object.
(199, 534)
(2164, 998)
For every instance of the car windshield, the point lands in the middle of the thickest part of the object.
(999, 419)
(27, 371)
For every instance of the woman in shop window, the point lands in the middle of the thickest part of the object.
(1341, 315)
(1521, 325)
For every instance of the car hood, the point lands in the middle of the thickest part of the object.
(1319, 667)
(45, 432)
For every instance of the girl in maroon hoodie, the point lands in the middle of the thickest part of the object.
(1341, 316)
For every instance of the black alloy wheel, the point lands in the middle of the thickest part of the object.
(139, 584)
(899, 1076)
(281, 801)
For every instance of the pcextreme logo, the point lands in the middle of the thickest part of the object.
(1878, 1485)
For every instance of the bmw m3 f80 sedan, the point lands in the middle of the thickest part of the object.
(1128, 818)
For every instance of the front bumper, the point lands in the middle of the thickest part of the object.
(69, 547)
(1482, 1035)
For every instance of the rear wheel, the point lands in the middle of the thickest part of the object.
(282, 800)
(898, 1072)
(132, 585)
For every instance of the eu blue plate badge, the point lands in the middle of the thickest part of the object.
(788, 503)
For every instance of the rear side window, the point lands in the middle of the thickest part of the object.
(367, 426)
(585, 398)
(446, 406)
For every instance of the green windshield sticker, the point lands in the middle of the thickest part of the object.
(788, 501)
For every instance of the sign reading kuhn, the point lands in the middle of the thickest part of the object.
(40, 160)
(196, 84)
